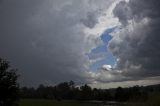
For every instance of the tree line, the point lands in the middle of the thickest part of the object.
(68, 91)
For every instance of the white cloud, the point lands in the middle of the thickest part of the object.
(107, 67)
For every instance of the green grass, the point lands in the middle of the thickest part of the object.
(42, 102)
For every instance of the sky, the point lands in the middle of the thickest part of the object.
(103, 43)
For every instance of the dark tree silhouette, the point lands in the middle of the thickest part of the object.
(120, 94)
(69, 91)
(86, 92)
(8, 84)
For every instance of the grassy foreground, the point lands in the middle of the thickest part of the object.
(153, 100)
(42, 102)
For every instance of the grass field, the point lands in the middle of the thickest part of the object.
(153, 100)
(42, 102)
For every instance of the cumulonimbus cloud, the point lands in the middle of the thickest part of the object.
(136, 43)
(45, 40)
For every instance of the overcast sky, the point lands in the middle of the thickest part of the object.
(104, 43)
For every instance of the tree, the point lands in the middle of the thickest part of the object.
(8, 85)
(120, 94)
(71, 84)
(86, 92)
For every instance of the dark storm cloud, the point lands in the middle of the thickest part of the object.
(39, 42)
(137, 43)
(123, 12)
(137, 10)
(45, 39)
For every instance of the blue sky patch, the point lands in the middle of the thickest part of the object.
(109, 58)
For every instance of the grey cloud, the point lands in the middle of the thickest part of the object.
(123, 12)
(91, 20)
(45, 39)
(137, 45)
(137, 10)
(40, 43)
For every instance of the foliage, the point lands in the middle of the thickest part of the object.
(8, 84)
(69, 91)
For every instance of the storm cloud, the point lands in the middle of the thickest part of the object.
(49, 40)
(136, 43)
(45, 40)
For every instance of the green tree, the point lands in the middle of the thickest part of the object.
(8, 85)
